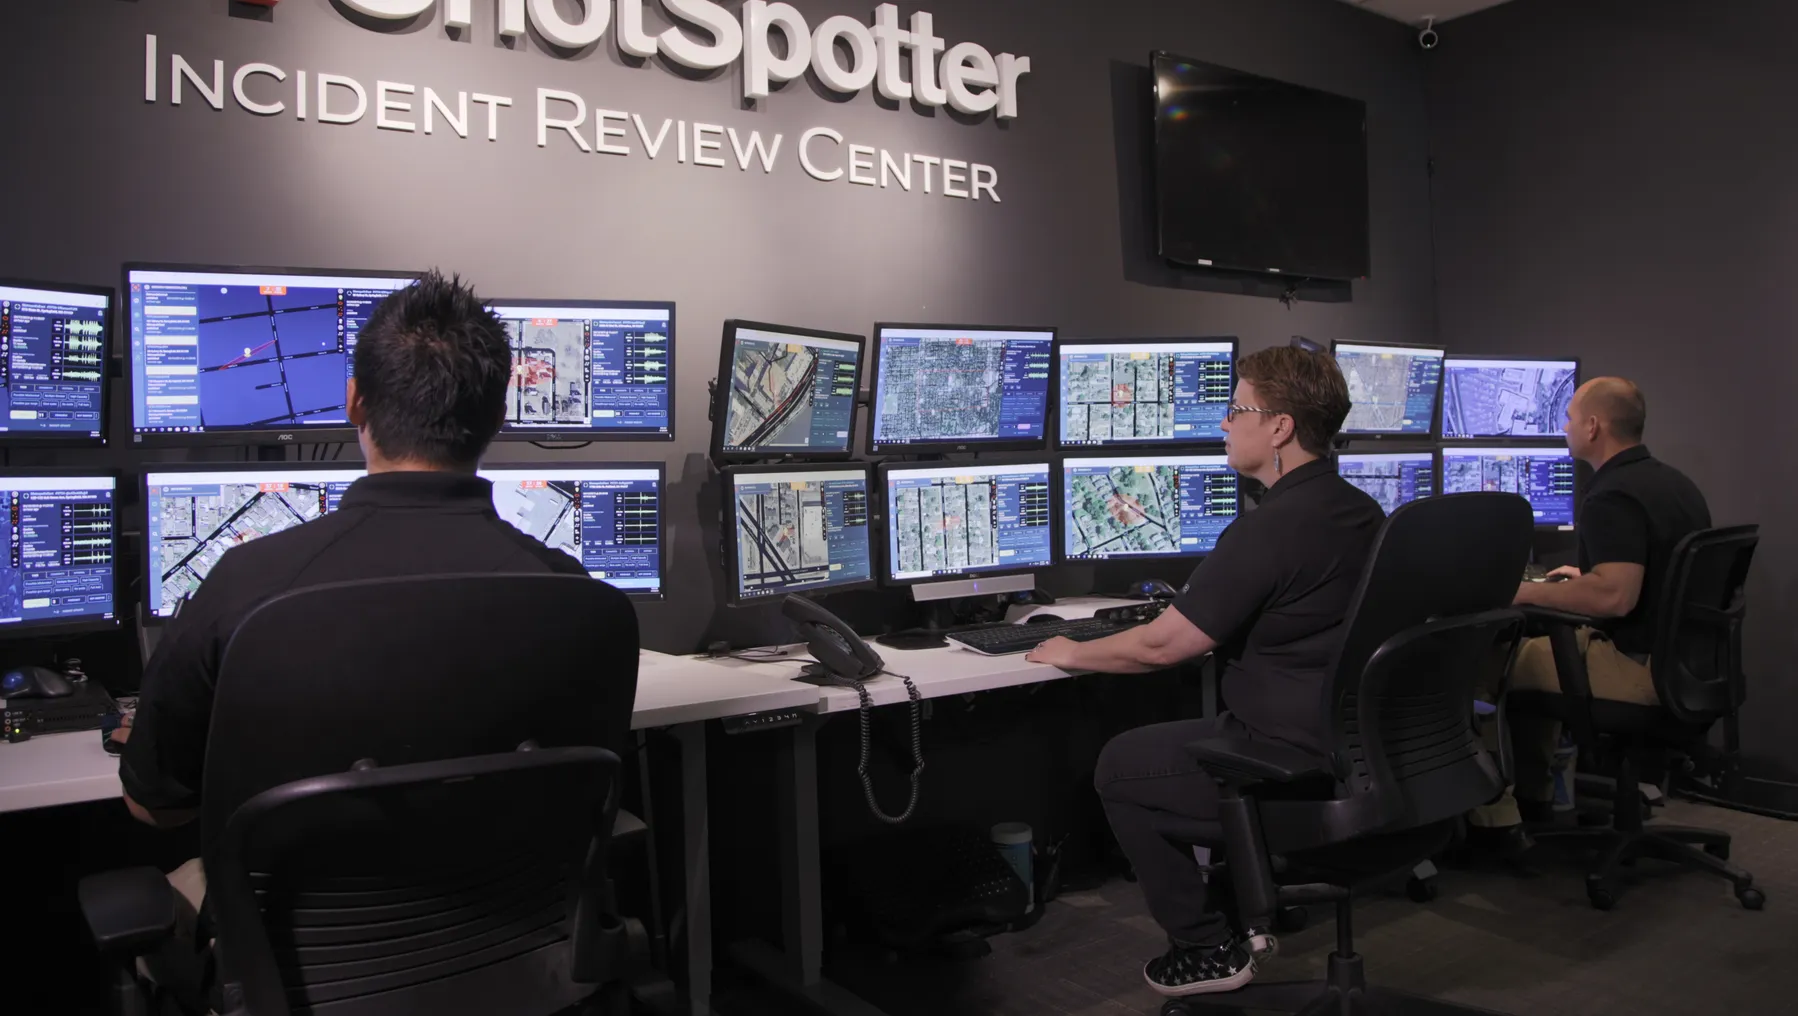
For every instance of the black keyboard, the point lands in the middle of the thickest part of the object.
(1005, 639)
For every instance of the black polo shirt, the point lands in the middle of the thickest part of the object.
(1636, 511)
(388, 525)
(1274, 593)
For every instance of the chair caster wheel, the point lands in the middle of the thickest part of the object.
(1600, 897)
(1420, 890)
(1751, 898)
(1288, 920)
(1720, 851)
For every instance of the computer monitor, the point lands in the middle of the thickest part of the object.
(797, 529)
(246, 355)
(58, 572)
(944, 388)
(194, 514)
(785, 392)
(1545, 476)
(967, 529)
(1394, 479)
(1119, 392)
(589, 370)
(1505, 397)
(1392, 389)
(55, 340)
(1137, 507)
(609, 518)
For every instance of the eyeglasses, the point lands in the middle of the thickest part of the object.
(1230, 415)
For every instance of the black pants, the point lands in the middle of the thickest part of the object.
(1144, 774)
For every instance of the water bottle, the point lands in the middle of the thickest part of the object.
(1566, 757)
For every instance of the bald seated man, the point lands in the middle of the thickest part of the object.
(1636, 510)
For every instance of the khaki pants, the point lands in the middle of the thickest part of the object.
(181, 967)
(1613, 675)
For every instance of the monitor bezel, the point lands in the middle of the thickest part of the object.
(1060, 494)
(720, 400)
(1432, 433)
(120, 595)
(1442, 399)
(232, 437)
(728, 530)
(1062, 446)
(1466, 447)
(885, 572)
(661, 470)
(1433, 451)
(152, 582)
(508, 432)
(1050, 403)
(109, 347)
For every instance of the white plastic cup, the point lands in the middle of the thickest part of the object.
(1013, 840)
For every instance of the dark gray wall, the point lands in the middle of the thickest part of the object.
(100, 178)
(1614, 179)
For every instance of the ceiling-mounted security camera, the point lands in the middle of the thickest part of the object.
(1428, 37)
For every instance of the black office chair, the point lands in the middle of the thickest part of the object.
(1697, 670)
(407, 804)
(1430, 624)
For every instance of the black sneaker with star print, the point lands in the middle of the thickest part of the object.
(1198, 970)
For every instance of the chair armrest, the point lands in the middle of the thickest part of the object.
(1543, 619)
(1240, 761)
(128, 912)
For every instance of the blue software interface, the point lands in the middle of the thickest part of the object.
(1392, 389)
(193, 518)
(610, 520)
(800, 530)
(1542, 475)
(961, 386)
(1393, 480)
(52, 362)
(1144, 392)
(1506, 398)
(59, 560)
(244, 351)
(1163, 506)
(789, 392)
(589, 367)
(967, 519)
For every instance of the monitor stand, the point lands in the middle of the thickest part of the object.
(939, 617)
(939, 614)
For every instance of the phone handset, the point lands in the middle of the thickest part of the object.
(845, 659)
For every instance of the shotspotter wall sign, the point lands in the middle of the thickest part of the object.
(905, 63)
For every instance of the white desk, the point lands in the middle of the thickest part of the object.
(672, 691)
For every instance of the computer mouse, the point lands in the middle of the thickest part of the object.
(1043, 618)
(1155, 589)
(34, 682)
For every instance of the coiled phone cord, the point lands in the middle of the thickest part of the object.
(917, 750)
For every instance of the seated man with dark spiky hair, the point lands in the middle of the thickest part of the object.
(431, 371)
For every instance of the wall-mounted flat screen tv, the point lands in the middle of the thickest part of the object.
(1259, 175)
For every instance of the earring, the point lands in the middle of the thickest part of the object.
(1278, 469)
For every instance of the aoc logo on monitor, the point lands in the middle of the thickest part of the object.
(905, 62)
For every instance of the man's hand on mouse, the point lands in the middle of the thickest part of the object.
(1057, 652)
(1565, 571)
(123, 733)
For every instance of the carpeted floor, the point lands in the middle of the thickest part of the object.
(1677, 943)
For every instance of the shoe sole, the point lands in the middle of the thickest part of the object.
(1231, 983)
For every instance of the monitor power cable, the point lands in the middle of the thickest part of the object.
(917, 749)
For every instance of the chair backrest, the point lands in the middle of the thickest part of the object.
(1697, 657)
(1430, 622)
(397, 673)
(474, 885)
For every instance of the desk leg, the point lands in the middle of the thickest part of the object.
(802, 907)
(798, 967)
(697, 860)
